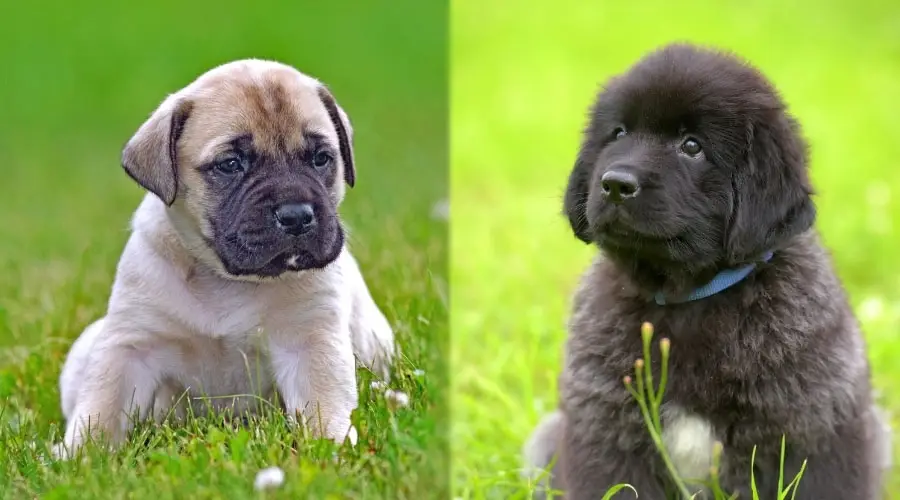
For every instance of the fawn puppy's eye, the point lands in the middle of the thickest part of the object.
(230, 165)
(322, 159)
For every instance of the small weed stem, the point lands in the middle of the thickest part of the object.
(649, 400)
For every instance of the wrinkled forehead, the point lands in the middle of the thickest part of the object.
(279, 109)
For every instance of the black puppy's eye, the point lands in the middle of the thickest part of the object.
(691, 147)
(619, 133)
(230, 165)
(322, 159)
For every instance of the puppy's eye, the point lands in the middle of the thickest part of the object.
(691, 147)
(230, 165)
(619, 133)
(322, 159)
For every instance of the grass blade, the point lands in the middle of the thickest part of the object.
(617, 488)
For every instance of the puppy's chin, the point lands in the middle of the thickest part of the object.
(620, 234)
(615, 229)
(281, 257)
(618, 240)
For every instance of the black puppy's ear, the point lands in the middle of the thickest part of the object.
(576, 197)
(579, 187)
(150, 157)
(772, 191)
(341, 123)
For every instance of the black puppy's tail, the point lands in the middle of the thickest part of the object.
(539, 453)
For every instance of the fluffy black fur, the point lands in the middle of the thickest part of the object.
(778, 353)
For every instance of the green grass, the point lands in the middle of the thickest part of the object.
(522, 78)
(78, 79)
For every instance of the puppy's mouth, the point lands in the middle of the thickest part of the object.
(291, 261)
(622, 235)
(617, 230)
(273, 257)
(615, 223)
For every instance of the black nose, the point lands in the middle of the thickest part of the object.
(619, 185)
(296, 218)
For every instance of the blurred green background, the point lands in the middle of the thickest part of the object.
(77, 80)
(523, 75)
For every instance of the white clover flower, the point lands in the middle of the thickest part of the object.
(271, 477)
(396, 399)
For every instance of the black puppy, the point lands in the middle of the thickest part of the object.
(692, 179)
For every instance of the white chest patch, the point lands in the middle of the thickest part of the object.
(689, 440)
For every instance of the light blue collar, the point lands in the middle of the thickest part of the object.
(721, 281)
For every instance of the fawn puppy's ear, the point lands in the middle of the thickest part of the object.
(341, 123)
(150, 157)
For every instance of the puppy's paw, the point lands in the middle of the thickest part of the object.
(170, 402)
(65, 450)
(373, 337)
(373, 342)
(350, 435)
(339, 431)
(335, 431)
(59, 451)
(71, 443)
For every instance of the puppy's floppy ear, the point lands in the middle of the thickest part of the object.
(772, 191)
(576, 197)
(150, 157)
(344, 132)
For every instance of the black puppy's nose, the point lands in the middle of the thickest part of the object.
(296, 218)
(619, 185)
